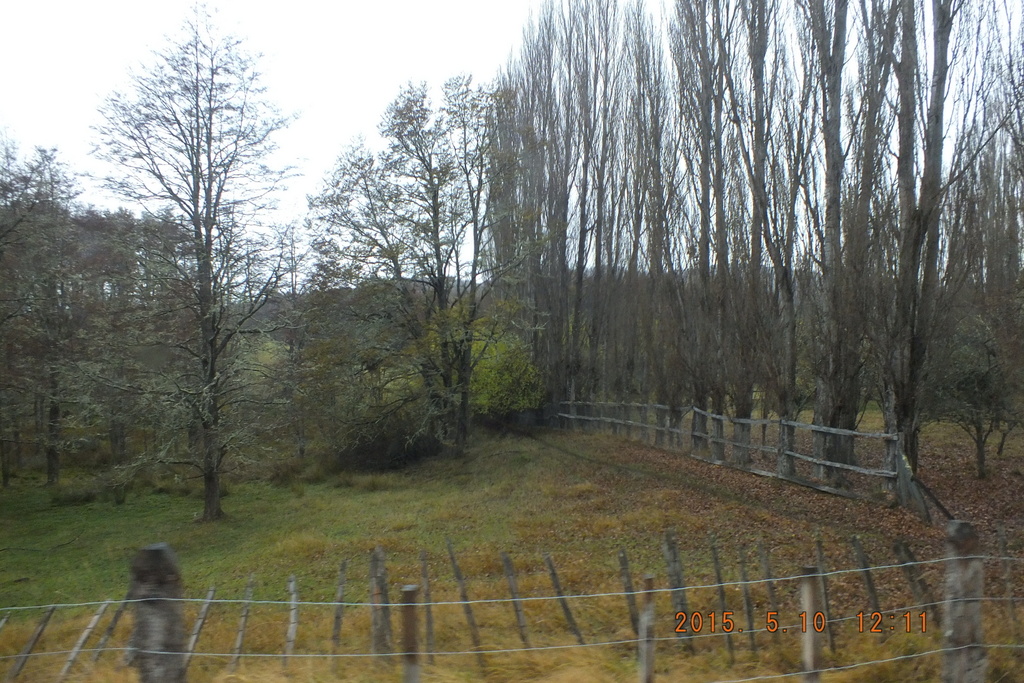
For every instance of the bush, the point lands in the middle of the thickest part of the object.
(505, 381)
(73, 494)
(386, 444)
(387, 449)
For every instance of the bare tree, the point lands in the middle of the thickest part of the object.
(924, 267)
(414, 221)
(193, 136)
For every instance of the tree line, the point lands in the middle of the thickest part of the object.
(742, 205)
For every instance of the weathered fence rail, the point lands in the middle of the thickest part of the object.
(699, 616)
(863, 465)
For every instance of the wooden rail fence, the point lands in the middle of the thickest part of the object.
(866, 465)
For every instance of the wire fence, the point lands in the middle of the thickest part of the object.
(539, 598)
(776, 613)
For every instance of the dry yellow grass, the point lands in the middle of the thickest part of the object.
(540, 500)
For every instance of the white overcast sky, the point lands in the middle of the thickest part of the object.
(334, 63)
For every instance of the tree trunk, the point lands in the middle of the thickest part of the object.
(211, 484)
(5, 456)
(980, 437)
(118, 441)
(5, 462)
(53, 432)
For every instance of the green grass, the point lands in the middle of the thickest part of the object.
(579, 497)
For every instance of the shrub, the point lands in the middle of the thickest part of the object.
(73, 494)
(505, 381)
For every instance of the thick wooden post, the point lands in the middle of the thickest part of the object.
(741, 443)
(410, 656)
(158, 640)
(785, 467)
(811, 638)
(717, 438)
(964, 660)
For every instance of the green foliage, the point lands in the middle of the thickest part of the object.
(505, 380)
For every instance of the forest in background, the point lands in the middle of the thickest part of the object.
(746, 206)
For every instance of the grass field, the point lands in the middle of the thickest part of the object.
(581, 498)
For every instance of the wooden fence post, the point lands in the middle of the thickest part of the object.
(721, 596)
(158, 640)
(660, 424)
(428, 616)
(380, 611)
(339, 611)
(26, 651)
(411, 657)
(646, 640)
(677, 583)
(197, 628)
(769, 583)
(242, 621)
(629, 592)
(811, 636)
(293, 620)
(646, 425)
(865, 570)
(717, 438)
(741, 442)
(698, 430)
(81, 641)
(823, 582)
(110, 627)
(918, 586)
(1008, 580)
(513, 589)
(964, 660)
(785, 467)
(908, 493)
(748, 603)
(561, 599)
(474, 632)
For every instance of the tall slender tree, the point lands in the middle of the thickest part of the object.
(192, 136)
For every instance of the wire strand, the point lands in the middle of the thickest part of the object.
(540, 598)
